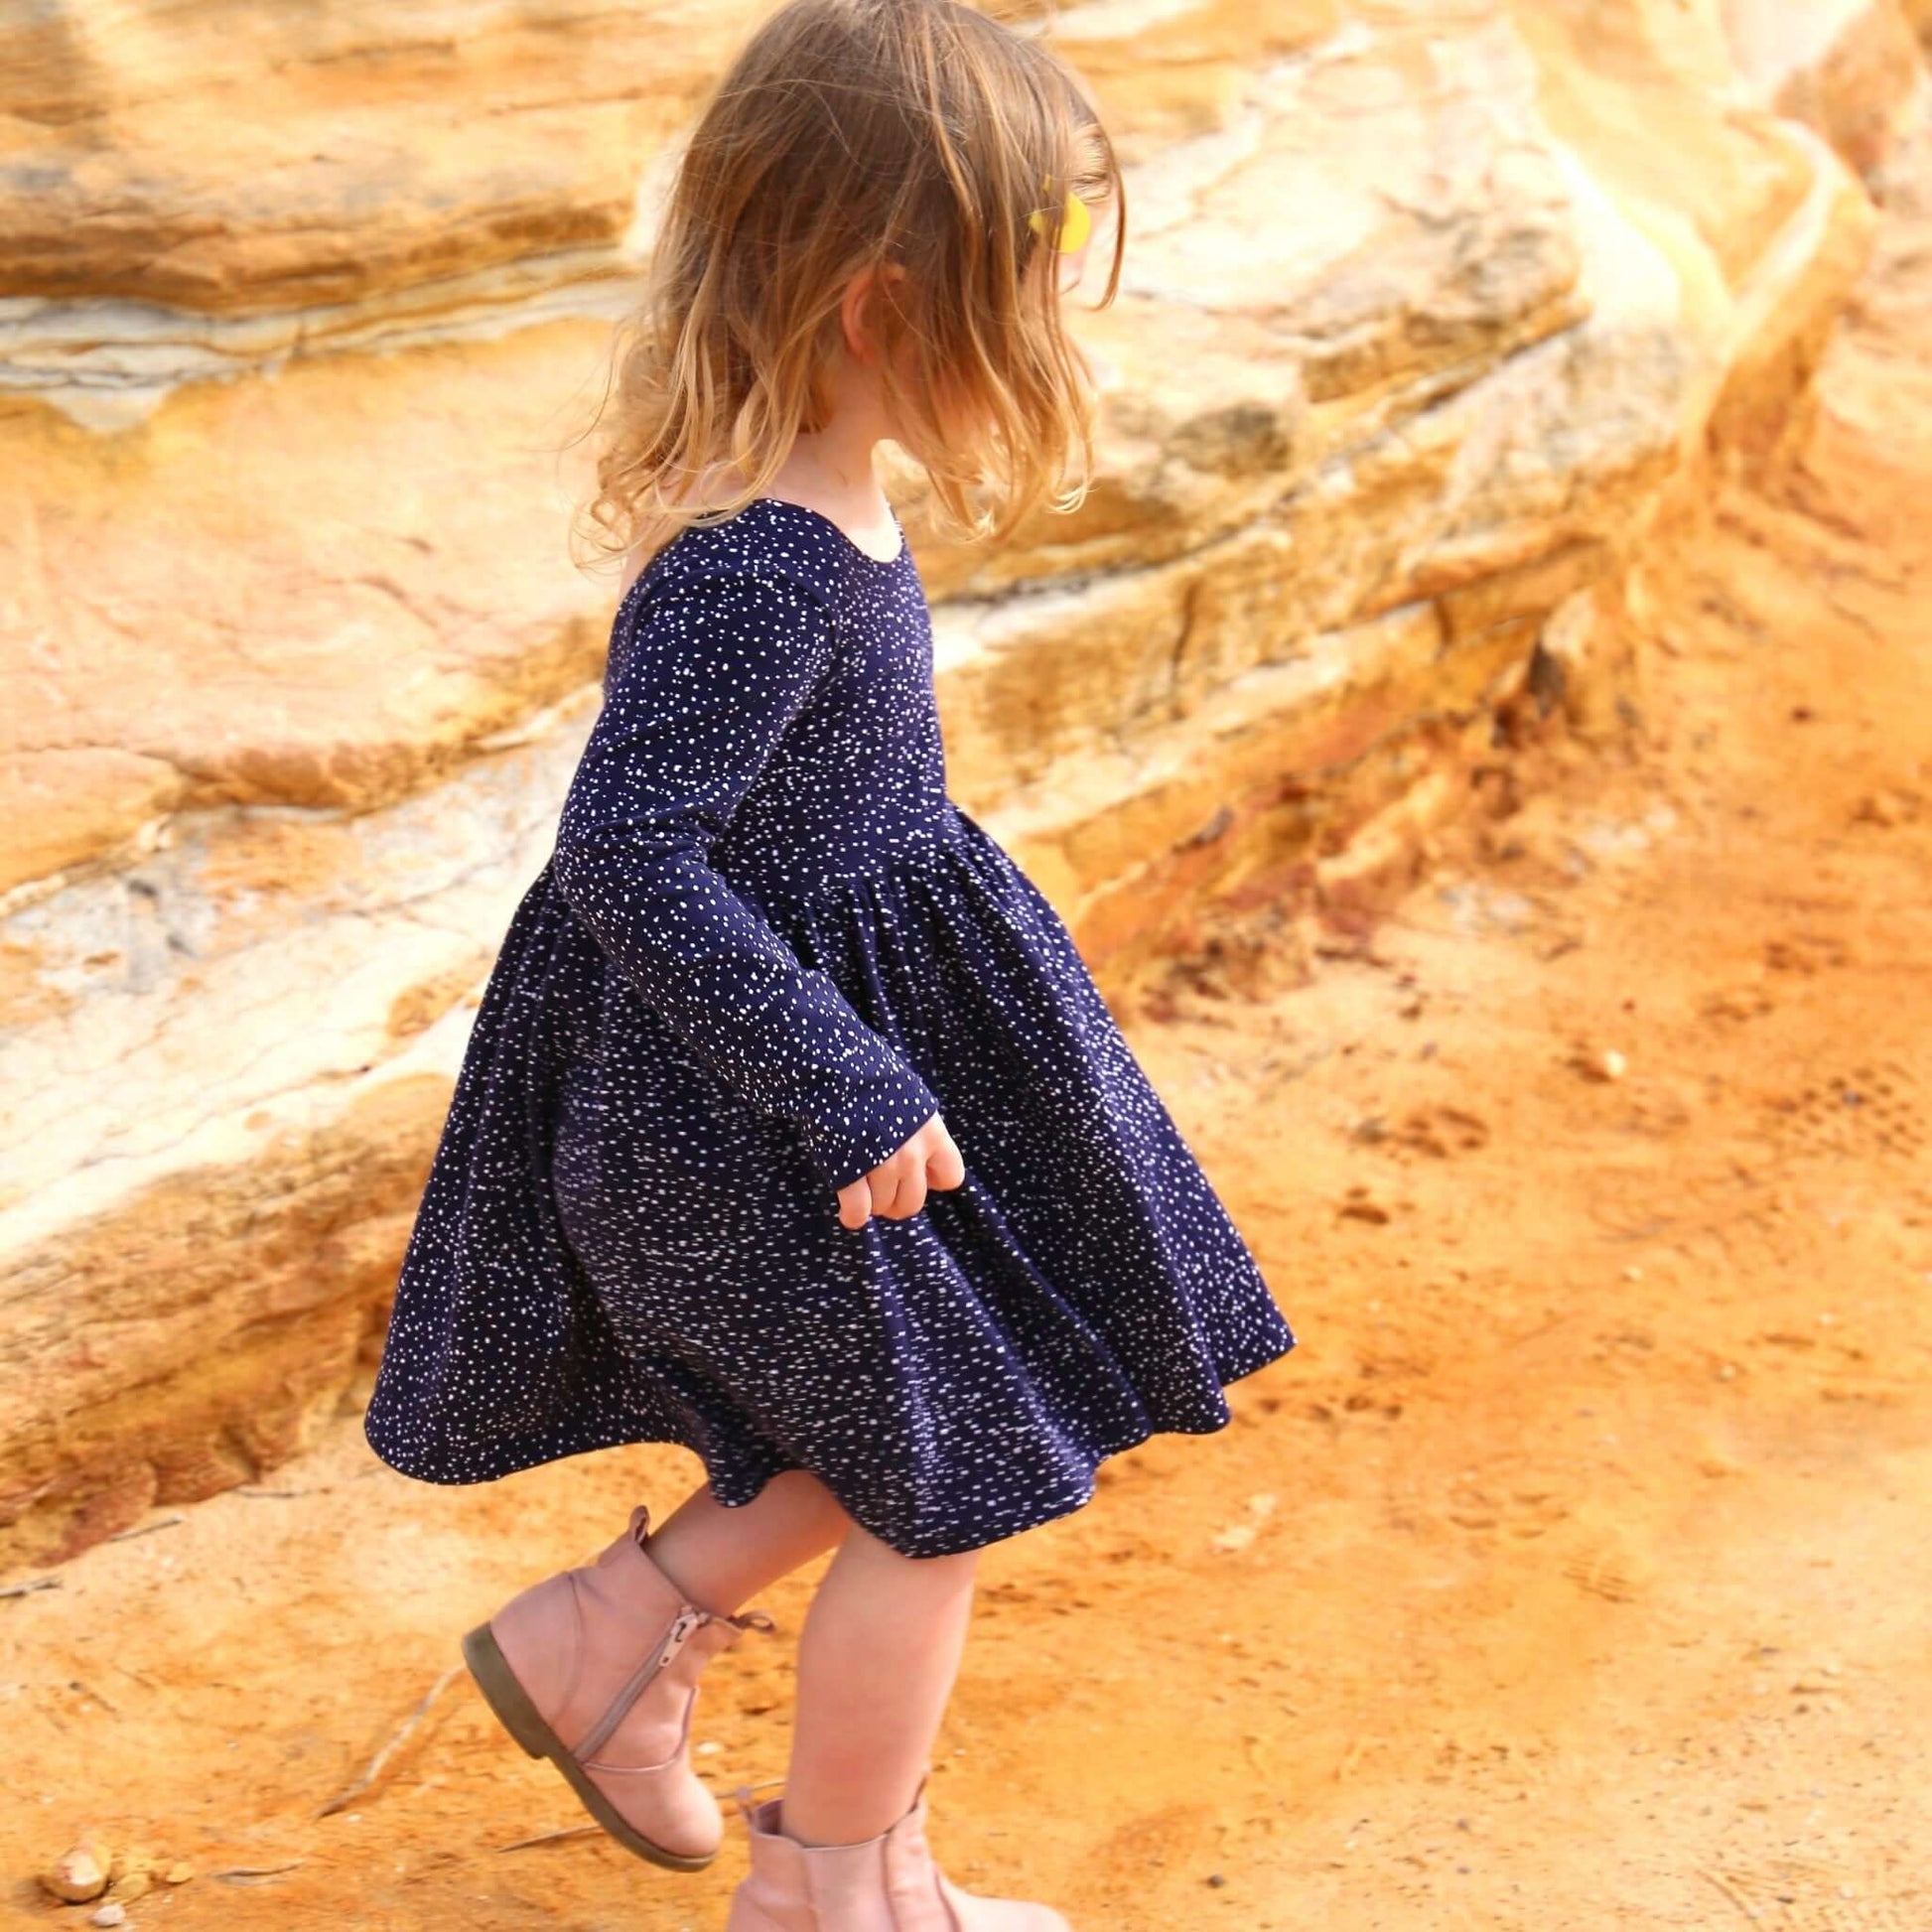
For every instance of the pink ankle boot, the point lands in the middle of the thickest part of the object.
(596, 1669)
(887, 1884)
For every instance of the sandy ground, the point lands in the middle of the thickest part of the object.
(1573, 1571)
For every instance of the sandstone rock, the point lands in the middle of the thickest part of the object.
(1847, 70)
(219, 173)
(332, 634)
(1164, 70)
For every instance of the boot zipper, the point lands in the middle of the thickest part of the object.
(669, 1645)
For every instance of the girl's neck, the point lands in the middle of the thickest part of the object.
(842, 485)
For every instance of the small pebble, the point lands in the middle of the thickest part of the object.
(1215, 1879)
(80, 1872)
(110, 1915)
(179, 1873)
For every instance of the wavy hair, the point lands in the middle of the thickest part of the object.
(853, 135)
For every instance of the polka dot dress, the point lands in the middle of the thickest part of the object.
(767, 947)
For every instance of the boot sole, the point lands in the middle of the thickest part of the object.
(522, 1719)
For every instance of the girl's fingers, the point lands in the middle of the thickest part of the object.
(896, 1188)
(903, 1193)
(947, 1167)
(855, 1204)
(912, 1193)
(883, 1188)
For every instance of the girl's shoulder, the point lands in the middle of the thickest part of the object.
(764, 586)
(772, 542)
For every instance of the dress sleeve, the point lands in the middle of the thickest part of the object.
(711, 672)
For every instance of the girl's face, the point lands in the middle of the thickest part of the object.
(1069, 269)
(1073, 264)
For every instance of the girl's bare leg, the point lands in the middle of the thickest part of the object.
(720, 1557)
(877, 1659)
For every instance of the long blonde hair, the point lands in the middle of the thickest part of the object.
(847, 135)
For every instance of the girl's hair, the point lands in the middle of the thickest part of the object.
(853, 134)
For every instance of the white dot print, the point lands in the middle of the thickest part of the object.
(767, 948)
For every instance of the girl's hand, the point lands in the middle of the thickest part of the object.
(897, 1188)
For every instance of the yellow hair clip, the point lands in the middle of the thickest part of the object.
(1076, 224)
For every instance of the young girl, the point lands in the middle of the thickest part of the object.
(792, 1128)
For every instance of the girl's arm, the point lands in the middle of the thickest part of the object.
(699, 690)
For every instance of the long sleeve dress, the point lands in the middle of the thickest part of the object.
(768, 947)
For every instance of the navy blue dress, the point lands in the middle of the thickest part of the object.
(764, 950)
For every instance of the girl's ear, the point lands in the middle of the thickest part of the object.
(854, 317)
